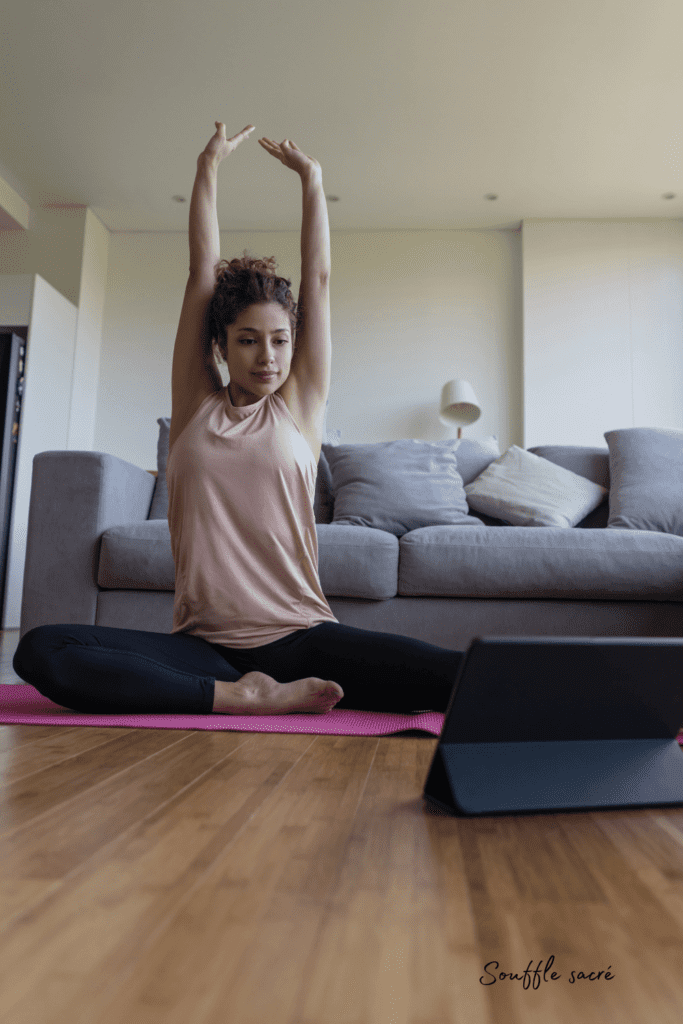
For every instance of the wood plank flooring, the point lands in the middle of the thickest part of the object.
(192, 877)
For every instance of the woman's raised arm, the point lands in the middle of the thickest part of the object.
(194, 373)
(315, 228)
(309, 375)
(205, 248)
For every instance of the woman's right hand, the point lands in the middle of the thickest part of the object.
(219, 147)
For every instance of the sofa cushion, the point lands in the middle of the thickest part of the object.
(646, 470)
(473, 454)
(323, 501)
(541, 562)
(159, 506)
(357, 561)
(398, 486)
(137, 556)
(352, 561)
(525, 489)
(593, 463)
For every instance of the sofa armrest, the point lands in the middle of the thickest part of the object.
(75, 497)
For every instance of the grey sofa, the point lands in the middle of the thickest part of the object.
(97, 554)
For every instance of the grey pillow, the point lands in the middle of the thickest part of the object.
(646, 479)
(322, 506)
(159, 507)
(398, 486)
(323, 503)
(473, 455)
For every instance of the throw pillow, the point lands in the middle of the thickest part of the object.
(398, 486)
(473, 455)
(159, 507)
(526, 490)
(646, 479)
(323, 503)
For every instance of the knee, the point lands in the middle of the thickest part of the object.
(32, 650)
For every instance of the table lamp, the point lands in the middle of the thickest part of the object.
(459, 405)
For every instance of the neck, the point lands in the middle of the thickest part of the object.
(233, 397)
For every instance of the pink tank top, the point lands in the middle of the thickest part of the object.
(241, 484)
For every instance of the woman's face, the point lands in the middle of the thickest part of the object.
(260, 341)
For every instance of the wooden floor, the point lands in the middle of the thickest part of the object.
(154, 875)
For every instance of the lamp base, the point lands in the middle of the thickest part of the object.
(459, 431)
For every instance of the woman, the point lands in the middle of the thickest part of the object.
(252, 631)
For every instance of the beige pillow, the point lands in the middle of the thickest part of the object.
(524, 489)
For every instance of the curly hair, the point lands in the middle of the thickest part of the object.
(244, 282)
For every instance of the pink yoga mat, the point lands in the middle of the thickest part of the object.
(23, 705)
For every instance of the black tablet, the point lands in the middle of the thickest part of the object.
(561, 723)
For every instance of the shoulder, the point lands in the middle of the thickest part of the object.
(179, 421)
(308, 415)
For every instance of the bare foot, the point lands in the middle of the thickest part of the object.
(258, 694)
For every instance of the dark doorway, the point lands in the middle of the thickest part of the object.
(12, 358)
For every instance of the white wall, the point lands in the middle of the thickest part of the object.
(565, 329)
(410, 310)
(603, 328)
(48, 366)
(86, 367)
(68, 247)
(52, 247)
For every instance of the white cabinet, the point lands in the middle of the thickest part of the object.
(27, 300)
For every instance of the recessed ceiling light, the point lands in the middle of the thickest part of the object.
(179, 199)
(669, 195)
(332, 199)
(490, 195)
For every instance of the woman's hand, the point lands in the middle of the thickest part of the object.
(289, 154)
(219, 147)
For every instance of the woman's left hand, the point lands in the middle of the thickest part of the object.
(288, 153)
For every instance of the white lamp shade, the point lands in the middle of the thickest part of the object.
(459, 404)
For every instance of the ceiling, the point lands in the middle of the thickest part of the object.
(416, 112)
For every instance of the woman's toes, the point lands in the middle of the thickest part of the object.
(324, 692)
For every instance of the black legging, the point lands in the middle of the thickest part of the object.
(106, 670)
